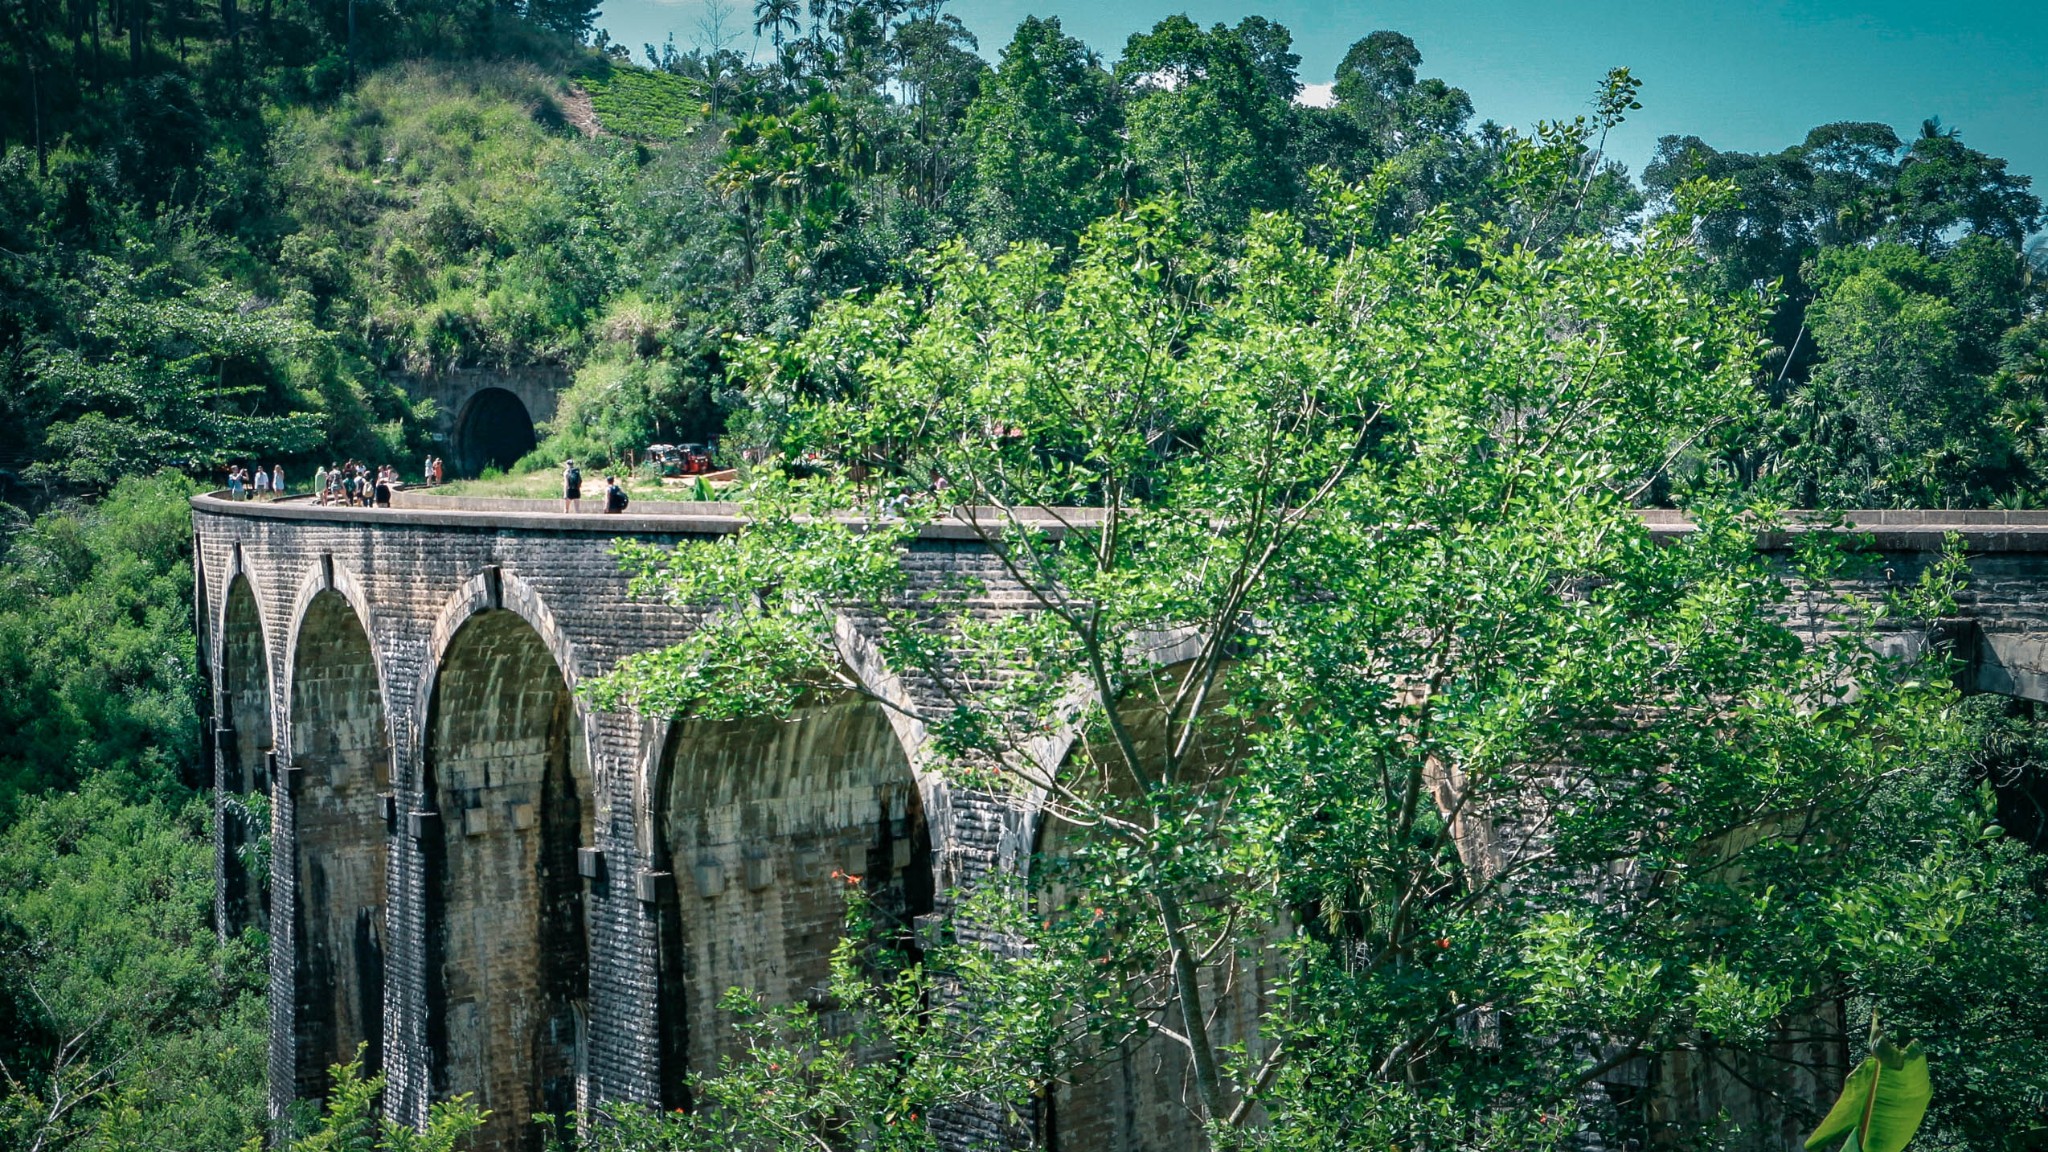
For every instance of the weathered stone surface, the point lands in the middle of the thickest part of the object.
(543, 903)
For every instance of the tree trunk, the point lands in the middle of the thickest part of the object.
(35, 103)
(138, 20)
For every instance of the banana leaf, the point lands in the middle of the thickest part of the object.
(1882, 1104)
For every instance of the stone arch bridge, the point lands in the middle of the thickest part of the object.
(495, 890)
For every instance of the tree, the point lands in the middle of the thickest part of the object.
(1431, 685)
(191, 383)
(1044, 138)
(1944, 185)
(1210, 115)
(129, 1021)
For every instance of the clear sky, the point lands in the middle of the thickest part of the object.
(1741, 74)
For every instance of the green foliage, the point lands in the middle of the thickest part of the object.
(479, 231)
(770, 590)
(1209, 115)
(129, 1022)
(350, 1122)
(1901, 275)
(1044, 138)
(642, 104)
(98, 670)
(194, 382)
(1882, 1104)
(1451, 471)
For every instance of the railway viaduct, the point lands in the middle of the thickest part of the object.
(496, 890)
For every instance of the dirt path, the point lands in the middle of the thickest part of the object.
(577, 110)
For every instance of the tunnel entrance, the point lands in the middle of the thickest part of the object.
(508, 957)
(243, 743)
(341, 755)
(493, 430)
(763, 824)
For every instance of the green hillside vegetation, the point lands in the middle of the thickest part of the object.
(450, 216)
(642, 103)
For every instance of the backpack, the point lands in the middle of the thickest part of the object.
(575, 476)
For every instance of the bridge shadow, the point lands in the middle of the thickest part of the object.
(339, 776)
(764, 825)
(507, 939)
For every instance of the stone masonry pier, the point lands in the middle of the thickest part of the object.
(493, 889)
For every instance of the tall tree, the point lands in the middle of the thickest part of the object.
(1045, 139)
(1210, 116)
(1429, 679)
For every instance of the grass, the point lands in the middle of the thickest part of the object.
(640, 103)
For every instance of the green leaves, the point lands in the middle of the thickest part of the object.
(1308, 600)
(770, 592)
(1882, 1104)
(192, 382)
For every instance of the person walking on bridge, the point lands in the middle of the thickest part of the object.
(277, 481)
(572, 485)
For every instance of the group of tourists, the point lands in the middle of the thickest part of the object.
(257, 485)
(615, 498)
(355, 485)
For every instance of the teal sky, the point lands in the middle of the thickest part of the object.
(1743, 74)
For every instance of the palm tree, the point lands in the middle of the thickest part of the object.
(2031, 371)
(777, 18)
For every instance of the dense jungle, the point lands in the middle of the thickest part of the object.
(234, 234)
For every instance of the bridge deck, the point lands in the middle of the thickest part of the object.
(1890, 530)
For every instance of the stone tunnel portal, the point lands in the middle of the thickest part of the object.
(764, 825)
(340, 771)
(493, 430)
(508, 956)
(244, 743)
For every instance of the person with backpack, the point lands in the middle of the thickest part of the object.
(383, 488)
(615, 498)
(572, 485)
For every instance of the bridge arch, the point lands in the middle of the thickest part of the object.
(506, 771)
(244, 737)
(763, 825)
(1137, 1095)
(493, 430)
(336, 786)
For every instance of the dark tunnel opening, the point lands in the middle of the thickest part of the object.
(493, 431)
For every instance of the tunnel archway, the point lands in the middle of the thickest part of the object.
(1137, 1095)
(493, 430)
(340, 771)
(243, 742)
(763, 824)
(508, 952)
